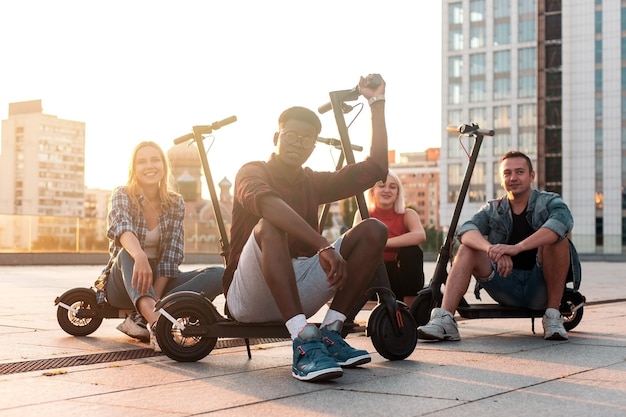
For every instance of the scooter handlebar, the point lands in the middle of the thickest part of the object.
(206, 129)
(470, 129)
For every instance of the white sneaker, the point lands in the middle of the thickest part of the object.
(135, 326)
(441, 326)
(553, 325)
(154, 344)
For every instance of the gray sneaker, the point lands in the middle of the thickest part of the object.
(441, 326)
(154, 344)
(135, 326)
(553, 325)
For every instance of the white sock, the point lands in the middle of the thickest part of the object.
(295, 325)
(332, 316)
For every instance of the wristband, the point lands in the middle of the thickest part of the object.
(324, 249)
(374, 99)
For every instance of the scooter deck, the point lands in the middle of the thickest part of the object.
(491, 311)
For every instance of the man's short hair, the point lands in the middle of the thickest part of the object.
(518, 154)
(303, 114)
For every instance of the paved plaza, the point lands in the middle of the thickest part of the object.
(498, 368)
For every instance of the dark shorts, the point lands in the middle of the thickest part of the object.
(523, 288)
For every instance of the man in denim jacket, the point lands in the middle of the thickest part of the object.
(518, 250)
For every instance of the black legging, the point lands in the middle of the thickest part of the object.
(406, 274)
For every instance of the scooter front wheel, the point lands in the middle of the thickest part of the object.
(174, 342)
(420, 307)
(572, 308)
(391, 345)
(76, 312)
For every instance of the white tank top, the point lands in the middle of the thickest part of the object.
(152, 242)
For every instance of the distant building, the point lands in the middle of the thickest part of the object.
(96, 202)
(42, 164)
(419, 174)
(202, 233)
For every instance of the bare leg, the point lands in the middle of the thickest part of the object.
(555, 260)
(278, 269)
(467, 262)
(146, 305)
(362, 248)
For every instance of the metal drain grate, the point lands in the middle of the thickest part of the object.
(65, 362)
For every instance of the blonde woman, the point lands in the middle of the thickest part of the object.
(146, 242)
(404, 260)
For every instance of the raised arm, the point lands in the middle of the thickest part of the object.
(376, 100)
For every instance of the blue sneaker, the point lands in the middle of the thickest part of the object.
(311, 361)
(344, 354)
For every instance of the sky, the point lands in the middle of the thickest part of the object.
(136, 70)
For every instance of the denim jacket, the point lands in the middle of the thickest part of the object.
(545, 209)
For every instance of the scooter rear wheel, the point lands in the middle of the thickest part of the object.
(71, 321)
(172, 340)
(390, 345)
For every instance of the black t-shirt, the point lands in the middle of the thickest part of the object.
(521, 230)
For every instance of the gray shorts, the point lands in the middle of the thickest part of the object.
(249, 298)
(523, 288)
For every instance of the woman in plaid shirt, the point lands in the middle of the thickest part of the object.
(146, 242)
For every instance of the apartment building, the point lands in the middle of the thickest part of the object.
(42, 164)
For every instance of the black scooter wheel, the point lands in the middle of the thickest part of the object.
(571, 317)
(72, 321)
(174, 343)
(420, 308)
(390, 345)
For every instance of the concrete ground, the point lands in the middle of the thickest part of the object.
(498, 368)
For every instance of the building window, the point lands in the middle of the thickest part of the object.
(501, 88)
(454, 150)
(527, 30)
(497, 184)
(454, 117)
(502, 33)
(476, 192)
(527, 7)
(501, 143)
(526, 115)
(553, 27)
(477, 10)
(455, 67)
(553, 56)
(501, 8)
(455, 40)
(527, 143)
(527, 59)
(553, 113)
(477, 37)
(553, 142)
(527, 86)
(455, 94)
(502, 117)
(553, 84)
(477, 64)
(501, 62)
(478, 91)
(455, 179)
(478, 116)
(455, 13)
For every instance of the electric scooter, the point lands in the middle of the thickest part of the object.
(190, 324)
(572, 302)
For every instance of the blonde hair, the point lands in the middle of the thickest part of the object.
(168, 196)
(398, 206)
